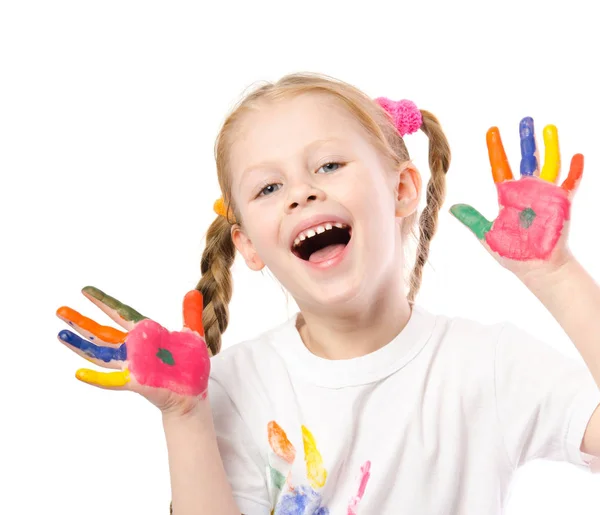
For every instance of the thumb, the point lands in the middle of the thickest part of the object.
(192, 311)
(473, 219)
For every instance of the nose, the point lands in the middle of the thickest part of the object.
(301, 195)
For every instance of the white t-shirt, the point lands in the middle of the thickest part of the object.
(434, 422)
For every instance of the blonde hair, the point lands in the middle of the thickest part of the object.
(219, 253)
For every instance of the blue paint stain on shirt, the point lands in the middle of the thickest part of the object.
(303, 500)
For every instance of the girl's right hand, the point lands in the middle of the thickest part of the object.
(170, 369)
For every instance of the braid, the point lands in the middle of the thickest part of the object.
(216, 282)
(439, 162)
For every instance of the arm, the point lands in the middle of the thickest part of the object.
(529, 238)
(573, 299)
(171, 370)
(198, 479)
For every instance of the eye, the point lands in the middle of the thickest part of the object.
(328, 166)
(267, 189)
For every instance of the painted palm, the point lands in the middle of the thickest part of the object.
(161, 365)
(534, 210)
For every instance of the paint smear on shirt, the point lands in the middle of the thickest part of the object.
(365, 474)
(277, 478)
(316, 473)
(302, 501)
(280, 443)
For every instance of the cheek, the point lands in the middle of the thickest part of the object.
(378, 219)
(376, 205)
(265, 234)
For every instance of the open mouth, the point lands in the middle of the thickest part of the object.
(322, 242)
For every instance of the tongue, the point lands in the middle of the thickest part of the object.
(326, 253)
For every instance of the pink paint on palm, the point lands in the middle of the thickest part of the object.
(364, 479)
(177, 361)
(551, 207)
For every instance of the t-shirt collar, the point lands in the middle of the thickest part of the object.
(355, 371)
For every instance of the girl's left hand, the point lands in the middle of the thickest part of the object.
(530, 232)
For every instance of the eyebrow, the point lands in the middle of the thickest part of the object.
(307, 148)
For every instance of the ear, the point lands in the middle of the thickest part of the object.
(408, 190)
(245, 247)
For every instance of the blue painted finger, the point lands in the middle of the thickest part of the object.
(105, 354)
(529, 162)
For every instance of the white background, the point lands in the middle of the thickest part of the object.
(108, 115)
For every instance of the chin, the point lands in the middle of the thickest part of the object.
(340, 293)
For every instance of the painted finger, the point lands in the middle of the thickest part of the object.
(107, 380)
(473, 219)
(122, 314)
(529, 148)
(500, 168)
(86, 327)
(192, 311)
(575, 174)
(551, 168)
(108, 357)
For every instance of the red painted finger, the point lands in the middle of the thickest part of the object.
(575, 173)
(192, 311)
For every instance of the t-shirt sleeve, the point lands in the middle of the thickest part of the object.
(544, 400)
(240, 454)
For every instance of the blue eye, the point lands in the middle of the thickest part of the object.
(327, 165)
(268, 189)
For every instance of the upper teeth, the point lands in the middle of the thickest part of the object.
(318, 229)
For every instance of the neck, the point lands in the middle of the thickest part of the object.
(355, 331)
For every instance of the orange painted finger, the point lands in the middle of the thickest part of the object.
(575, 173)
(500, 168)
(192, 311)
(90, 329)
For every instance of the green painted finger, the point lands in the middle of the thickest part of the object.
(124, 311)
(472, 218)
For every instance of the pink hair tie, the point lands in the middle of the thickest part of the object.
(405, 114)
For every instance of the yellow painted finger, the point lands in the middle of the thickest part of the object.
(103, 379)
(551, 168)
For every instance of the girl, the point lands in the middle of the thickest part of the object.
(363, 402)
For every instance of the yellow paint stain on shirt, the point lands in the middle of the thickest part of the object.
(315, 471)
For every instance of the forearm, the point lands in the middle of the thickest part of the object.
(198, 481)
(573, 298)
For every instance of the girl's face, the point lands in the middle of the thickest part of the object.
(305, 163)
